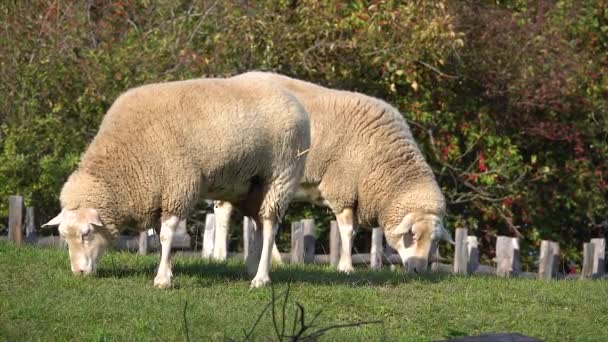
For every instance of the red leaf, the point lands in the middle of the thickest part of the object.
(481, 163)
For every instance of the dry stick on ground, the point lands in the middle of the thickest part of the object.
(283, 310)
(320, 332)
(274, 315)
(187, 335)
(250, 333)
(299, 326)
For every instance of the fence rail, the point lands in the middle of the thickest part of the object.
(303, 243)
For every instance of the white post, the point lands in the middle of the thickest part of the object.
(297, 243)
(334, 244)
(143, 242)
(222, 224)
(507, 256)
(248, 226)
(546, 264)
(308, 228)
(15, 219)
(209, 236)
(181, 239)
(473, 253)
(460, 251)
(588, 256)
(30, 225)
(375, 254)
(599, 257)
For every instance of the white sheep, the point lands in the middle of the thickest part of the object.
(365, 165)
(162, 146)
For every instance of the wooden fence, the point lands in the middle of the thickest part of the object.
(303, 243)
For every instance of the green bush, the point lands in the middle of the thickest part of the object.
(506, 99)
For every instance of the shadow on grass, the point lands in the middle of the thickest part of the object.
(314, 274)
(361, 277)
(453, 333)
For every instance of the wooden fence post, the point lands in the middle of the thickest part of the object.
(30, 224)
(389, 252)
(181, 239)
(15, 219)
(222, 225)
(599, 259)
(548, 263)
(460, 251)
(308, 229)
(247, 236)
(209, 236)
(143, 243)
(375, 254)
(473, 253)
(588, 256)
(556, 257)
(297, 243)
(507, 256)
(62, 244)
(334, 244)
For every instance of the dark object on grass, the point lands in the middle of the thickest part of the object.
(495, 338)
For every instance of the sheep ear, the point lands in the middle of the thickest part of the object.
(92, 217)
(445, 234)
(406, 224)
(55, 221)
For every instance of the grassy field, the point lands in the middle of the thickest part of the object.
(41, 300)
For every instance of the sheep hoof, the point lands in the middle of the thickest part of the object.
(259, 282)
(346, 269)
(162, 282)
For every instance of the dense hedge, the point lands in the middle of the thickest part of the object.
(507, 99)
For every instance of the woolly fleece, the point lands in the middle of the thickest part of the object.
(161, 146)
(362, 155)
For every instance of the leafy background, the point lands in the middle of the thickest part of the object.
(508, 99)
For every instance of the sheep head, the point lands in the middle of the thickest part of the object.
(85, 235)
(414, 237)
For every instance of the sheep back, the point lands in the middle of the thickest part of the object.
(161, 146)
(363, 154)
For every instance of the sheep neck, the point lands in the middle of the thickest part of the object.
(392, 176)
(423, 196)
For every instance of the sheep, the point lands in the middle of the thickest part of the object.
(162, 146)
(366, 166)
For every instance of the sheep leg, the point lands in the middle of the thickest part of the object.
(262, 278)
(164, 274)
(347, 225)
(222, 211)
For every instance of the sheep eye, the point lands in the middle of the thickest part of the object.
(87, 236)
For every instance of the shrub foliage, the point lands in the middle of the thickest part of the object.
(508, 99)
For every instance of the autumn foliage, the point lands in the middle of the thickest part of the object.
(508, 99)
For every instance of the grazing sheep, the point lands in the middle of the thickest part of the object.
(365, 165)
(161, 146)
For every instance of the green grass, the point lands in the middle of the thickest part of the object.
(41, 300)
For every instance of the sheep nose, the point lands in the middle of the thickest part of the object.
(78, 271)
(416, 265)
